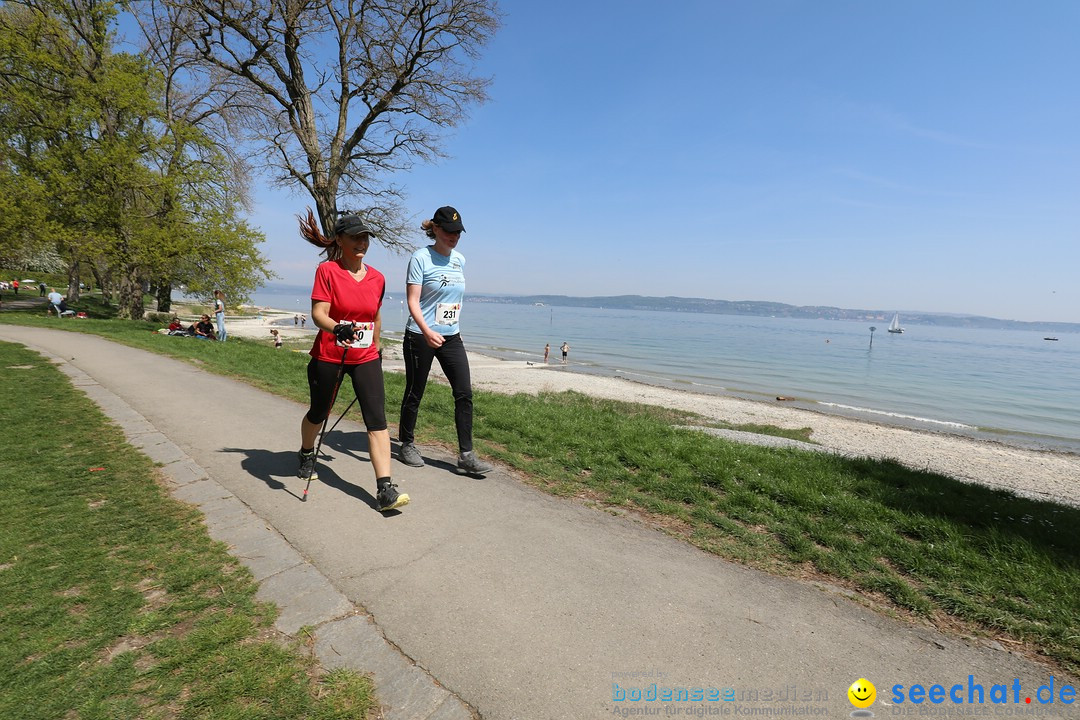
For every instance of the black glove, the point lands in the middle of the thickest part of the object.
(344, 332)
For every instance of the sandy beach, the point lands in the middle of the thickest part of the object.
(1037, 474)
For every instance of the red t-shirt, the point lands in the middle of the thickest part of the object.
(350, 301)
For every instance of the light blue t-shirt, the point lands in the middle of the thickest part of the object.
(442, 289)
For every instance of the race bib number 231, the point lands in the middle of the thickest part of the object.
(447, 313)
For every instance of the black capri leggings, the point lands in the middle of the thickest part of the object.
(367, 382)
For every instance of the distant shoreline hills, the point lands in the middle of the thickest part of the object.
(774, 309)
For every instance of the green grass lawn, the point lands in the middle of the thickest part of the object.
(114, 601)
(961, 556)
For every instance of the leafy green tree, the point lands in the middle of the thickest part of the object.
(80, 128)
(31, 124)
(208, 246)
(120, 181)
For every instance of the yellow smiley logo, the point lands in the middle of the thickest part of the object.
(862, 693)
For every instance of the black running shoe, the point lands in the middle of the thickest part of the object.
(390, 499)
(307, 466)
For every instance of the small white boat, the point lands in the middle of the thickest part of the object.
(894, 326)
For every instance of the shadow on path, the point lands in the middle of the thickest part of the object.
(277, 468)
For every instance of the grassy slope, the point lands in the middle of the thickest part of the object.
(114, 602)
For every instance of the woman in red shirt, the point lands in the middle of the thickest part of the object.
(345, 305)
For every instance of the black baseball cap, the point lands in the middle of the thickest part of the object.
(351, 225)
(448, 219)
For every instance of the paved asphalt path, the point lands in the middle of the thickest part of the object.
(485, 597)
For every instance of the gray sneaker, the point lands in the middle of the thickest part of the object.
(409, 455)
(468, 462)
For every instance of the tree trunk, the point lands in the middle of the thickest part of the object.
(102, 283)
(129, 291)
(164, 296)
(326, 207)
(73, 290)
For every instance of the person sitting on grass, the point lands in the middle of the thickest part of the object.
(204, 329)
(177, 328)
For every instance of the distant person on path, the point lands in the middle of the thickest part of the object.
(303, 320)
(435, 290)
(219, 314)
(15, 284)
(547, 351)
(565, 349)
(295, 319)
(41, 289)
(346, 305)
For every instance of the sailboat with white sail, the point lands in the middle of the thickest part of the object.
(894, 326)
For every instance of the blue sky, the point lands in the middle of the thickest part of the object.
(896, 155)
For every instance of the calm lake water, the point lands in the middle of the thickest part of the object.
(1007, 384)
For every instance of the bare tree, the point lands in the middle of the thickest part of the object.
(348, 91)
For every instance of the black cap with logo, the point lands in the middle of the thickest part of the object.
(448, 219)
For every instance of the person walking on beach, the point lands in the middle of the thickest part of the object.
(435, 290)
(219, 314)
(565, 349)
(547, 351)
(346, 303)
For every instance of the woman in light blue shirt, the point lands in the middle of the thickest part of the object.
(435, 289)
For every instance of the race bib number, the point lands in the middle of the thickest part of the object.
(363, 335)
(447, 313)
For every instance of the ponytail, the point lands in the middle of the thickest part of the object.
(310, 231)
(428, 226)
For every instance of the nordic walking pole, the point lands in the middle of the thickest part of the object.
(322, 434)
(342, 416)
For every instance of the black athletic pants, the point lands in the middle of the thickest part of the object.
(367, 382)
(455, 364)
